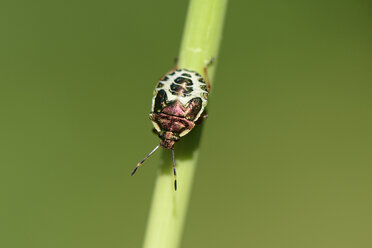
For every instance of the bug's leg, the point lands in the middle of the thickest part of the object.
(206, 73)
(174, 170)
(202, 117)
(154, 131)
(175, 67)
(175, 64)
(143, 160)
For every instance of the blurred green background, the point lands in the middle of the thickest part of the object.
(285, 158)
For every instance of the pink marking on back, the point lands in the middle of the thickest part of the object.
(176, 109)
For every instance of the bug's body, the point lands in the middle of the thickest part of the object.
(180, 98)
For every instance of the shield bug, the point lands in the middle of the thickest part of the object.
(179, 101)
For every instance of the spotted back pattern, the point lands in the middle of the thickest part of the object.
(181, 85)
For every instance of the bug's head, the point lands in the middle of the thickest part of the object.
(168, 139)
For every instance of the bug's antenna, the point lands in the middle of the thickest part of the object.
(143, 160)
(174, 170)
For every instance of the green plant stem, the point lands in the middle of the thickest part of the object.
(200, 43)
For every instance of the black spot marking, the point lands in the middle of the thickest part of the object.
(160, 84)
(183, 81)
(203, 87)
(180, 90)
(201, 80)
(171, 74)
(193, 108)
(160, 101)
(165, 79)
(186, 75)
(205, 96)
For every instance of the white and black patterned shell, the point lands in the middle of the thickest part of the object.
(184, 86)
